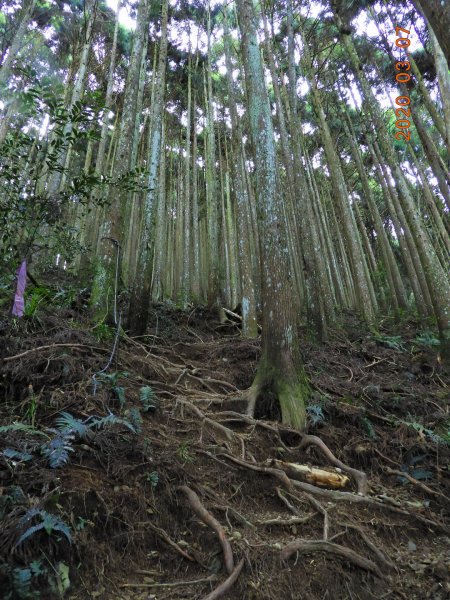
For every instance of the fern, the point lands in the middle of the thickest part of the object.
(427, 339)
(315, 414)
(20, 427)
(22, 583)
(394, 341)
(111, 419)
(153, 479)
(148, 398)
(67, 422)
(48, 522)
(56, 451)
(112, 379)
(16, 455)
(119, 393)
(135, 418)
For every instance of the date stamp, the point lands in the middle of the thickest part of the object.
(402, 76)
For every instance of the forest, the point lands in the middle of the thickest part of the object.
(224, 299)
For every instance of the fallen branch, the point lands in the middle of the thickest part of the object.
(226, 585)
(360, 477)
(208, 519)
(306, 546)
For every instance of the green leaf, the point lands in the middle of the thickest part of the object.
(119, 392)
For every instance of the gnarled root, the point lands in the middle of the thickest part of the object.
(307, 546)
(209, 520)
(226, 585)
(359, 476)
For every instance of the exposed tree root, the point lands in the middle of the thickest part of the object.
(320, 508)
(382, 558)
(226, 585)
(163, 535)
(414, 481)
(50, 347)
(223, 431)
(335, 495)
(209, 520)
(359, 476)
(285, 522)
(169, 585)
(307, 546)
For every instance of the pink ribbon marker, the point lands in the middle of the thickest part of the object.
(19, 302)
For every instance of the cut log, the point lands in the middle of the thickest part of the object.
(314, 475)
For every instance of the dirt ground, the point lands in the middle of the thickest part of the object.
(201, 491)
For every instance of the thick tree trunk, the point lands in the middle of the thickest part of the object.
(280, 373)
(437, 13)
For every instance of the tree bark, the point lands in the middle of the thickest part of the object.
(280, 371)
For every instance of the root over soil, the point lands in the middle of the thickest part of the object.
(206, 502)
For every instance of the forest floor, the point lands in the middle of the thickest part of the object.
(142, 507)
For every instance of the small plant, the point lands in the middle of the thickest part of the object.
(423, 431)
(184, 452)
(395, 341)
(112, 380)
(22, 580)
(30, 414)
(103, 332)
(135, 418)
(16, 455)
(148, 399)
(58, 445)
(82, 523)
(46, 521)
(35, 297)
(56, 451)
(369, 428)
(153, 479)
(315, 414)
(427, 338)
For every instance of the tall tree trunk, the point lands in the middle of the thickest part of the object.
(443, 76)
(17, 42)
(112, 231)
(280, 370)
(248, 301)
(363, 285)
(436, 277)
(138, 315)
(437, 13)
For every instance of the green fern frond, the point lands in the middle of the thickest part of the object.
(148, 398)
(67, 422)
(109, 420)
